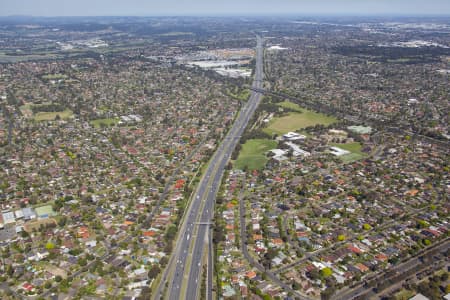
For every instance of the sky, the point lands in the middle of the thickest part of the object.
(222, 7)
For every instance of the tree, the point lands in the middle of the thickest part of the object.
(422, 224)
(145, 294)
(326, 272)
(219, 234)
(9, 270)
(168, 247)
(367, 226)
(314, 274)
(271, 253)
(49, 246)
(171, 232)
(82, 262)
(327, 293)
(154, 271)
(426, 242)
(164, 260)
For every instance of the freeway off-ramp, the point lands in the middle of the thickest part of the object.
(183, 272)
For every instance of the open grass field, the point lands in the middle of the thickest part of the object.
(302, 118)
(27, 111)
(106, 122)
(291, 105)
(354, 148)
(50, 116)
(253, 154)
(45, 210)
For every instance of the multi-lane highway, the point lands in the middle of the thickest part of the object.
(182, 277)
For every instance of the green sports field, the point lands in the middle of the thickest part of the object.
(354, 148)
(253, 154)
(299, 119)
(50, 116)
(106, 122)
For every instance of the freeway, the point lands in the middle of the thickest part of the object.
(182, 275)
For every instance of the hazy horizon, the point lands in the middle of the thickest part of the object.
(56, 8)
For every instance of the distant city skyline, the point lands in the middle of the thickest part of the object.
(230, 7)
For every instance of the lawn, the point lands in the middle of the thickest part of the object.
(354, 148)
(106, 122)
(50, 116)
(253, 154)
(291, 105)
(45, 210)
(293, 121)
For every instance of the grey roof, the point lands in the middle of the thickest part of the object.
(28, 212)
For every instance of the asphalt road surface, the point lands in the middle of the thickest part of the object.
(183, 273)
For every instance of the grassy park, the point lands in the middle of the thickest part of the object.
(45, 210)
(253, 154)
(104, 122)
(27, 111)
(300, 118)
(354, 148)
(50, 116)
